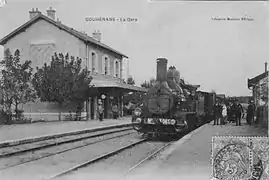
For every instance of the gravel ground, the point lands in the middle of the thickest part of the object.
(54, 164)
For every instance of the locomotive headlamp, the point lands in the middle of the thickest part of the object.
(138, 120)
(137, 111)
(173, 121)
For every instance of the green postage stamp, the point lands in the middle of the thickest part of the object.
(240, 158)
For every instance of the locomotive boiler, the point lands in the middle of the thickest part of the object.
(171, 106)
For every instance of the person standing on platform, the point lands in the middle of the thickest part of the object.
(234, 111)
(229, 112)
(220, 113)
(240, 111)
(115, 111)
(216, 113)
(100, 111)
(250, 113)
(224, 114)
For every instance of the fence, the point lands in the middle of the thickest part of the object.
(48, 111)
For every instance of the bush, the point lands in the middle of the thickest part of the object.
(5, 117)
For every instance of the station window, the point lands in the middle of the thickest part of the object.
(106, 65)
(117, 68)
(93, 58)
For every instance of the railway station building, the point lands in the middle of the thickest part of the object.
(42, 35)
(259, 87)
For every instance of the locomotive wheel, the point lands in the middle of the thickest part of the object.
(137, 127)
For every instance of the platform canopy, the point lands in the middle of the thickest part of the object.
(105, 81)
(253, 81)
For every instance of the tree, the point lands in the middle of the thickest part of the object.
(130, 81)
(64, 80)
(148, 84)
(16, 87)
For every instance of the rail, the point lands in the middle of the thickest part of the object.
(54, 142)
(101, 157)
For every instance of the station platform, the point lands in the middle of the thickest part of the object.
(24, 131)
(190, 157)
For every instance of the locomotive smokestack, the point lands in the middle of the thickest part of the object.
(161, 69)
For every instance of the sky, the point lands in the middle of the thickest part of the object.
(218, 55)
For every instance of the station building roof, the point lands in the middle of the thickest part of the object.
(104, 81)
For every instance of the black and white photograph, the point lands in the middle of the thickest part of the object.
(133, 89)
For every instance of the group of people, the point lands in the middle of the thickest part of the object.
(100, 110)
(232, 112)
(220, 113)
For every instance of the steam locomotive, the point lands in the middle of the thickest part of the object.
(171, 106)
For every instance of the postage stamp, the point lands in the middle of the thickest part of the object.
(240, 158)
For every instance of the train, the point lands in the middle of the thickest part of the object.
(171, 106)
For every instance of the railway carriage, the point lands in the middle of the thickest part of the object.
(171, 106)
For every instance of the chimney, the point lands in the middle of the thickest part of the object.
(265, 66)
(161, 69)
(58, 20)
(97, 35)
(51, 13)
(83, 32)
(34, 12)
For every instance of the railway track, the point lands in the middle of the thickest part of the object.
(51, 160)
(147, 158)
(101, 165)
(33, 146)
(104, 161)
(101, 157)
(39, 150)
(94, 154)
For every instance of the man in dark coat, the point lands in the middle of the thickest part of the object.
(229, 112)
(215, 110)
(100, 110)
(115, 111)
(250, 112)
(234, 111)
(217, 113)
(239, 111)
